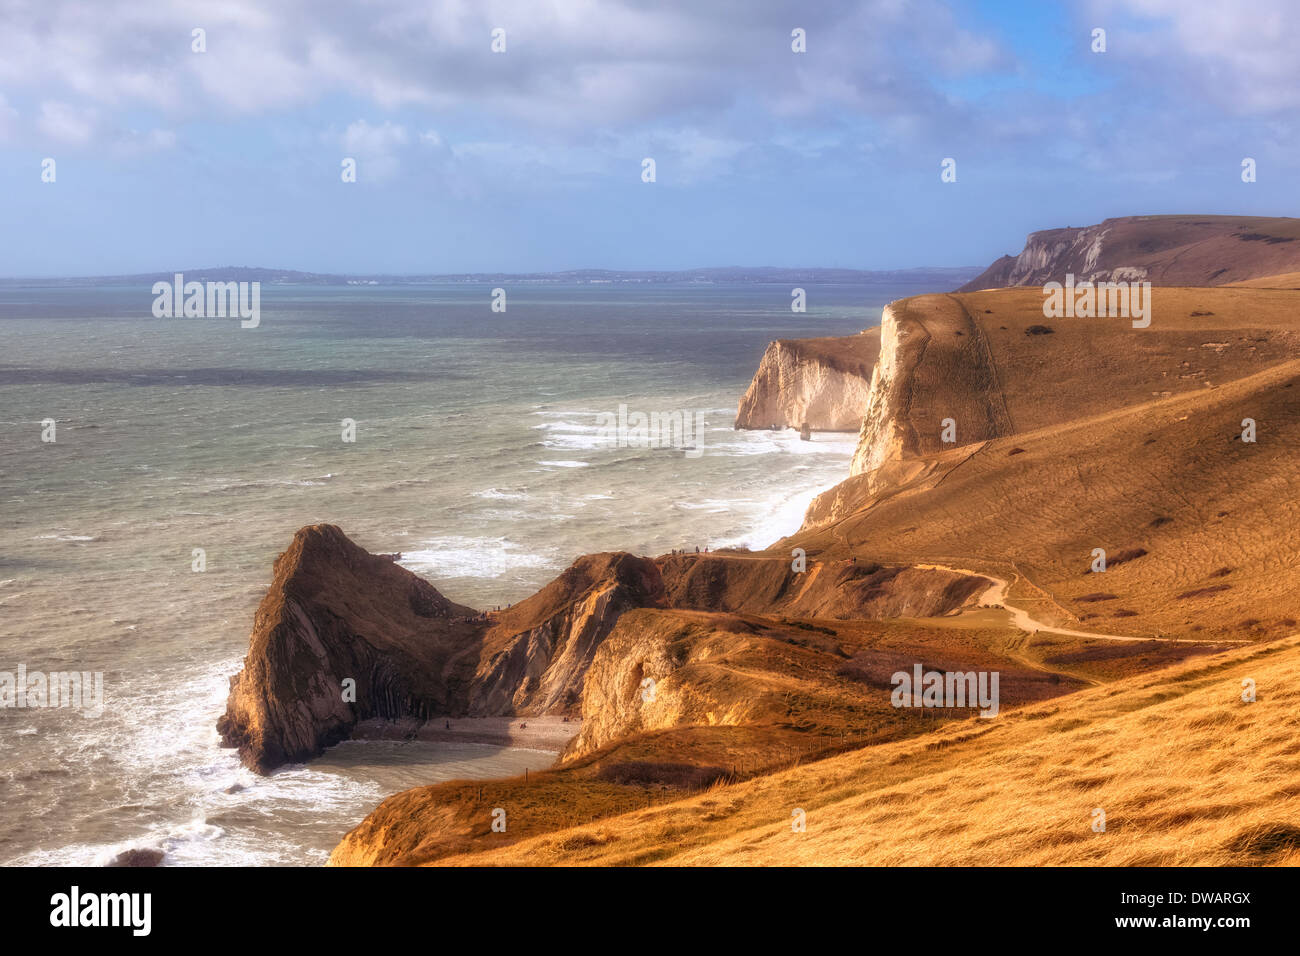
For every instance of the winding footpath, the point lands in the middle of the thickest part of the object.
(1021, 618)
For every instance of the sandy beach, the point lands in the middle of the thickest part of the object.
(534, 733)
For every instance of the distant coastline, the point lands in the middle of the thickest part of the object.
(936, 277)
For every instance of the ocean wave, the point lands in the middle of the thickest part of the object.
(268, 483)
(501, 494)
(455, 556)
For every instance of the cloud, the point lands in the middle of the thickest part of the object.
(1241, 58)
(569, 65)
(375, 148)
(8, 118)
(65, 123)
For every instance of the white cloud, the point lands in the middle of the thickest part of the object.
(1242, 58)
(8, 118)
(65, 123)
(570, 65)
(375, 148)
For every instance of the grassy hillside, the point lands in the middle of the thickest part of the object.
(1119, 438)
(1185, 771)
(1121, 689)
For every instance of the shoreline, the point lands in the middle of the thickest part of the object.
(549, 734)
(552, 733)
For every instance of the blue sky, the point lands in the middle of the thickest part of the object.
(530, 159)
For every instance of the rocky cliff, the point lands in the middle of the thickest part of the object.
(823, 382)
(336, 613)
(710, 659)
(343, 635)
(935, 368)
(1163, 250)
(536, 654)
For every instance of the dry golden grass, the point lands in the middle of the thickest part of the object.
(1119, 438)
(1286, 280)
(1186, 772)
(748, 697)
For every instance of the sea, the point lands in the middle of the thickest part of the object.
(187, 451)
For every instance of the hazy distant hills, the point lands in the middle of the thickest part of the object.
(931, 277)
(1162, 250)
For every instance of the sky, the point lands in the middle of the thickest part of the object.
(531, 157)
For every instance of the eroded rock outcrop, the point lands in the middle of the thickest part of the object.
(834, 590)
(711, 660)
(335, 613)
(664, 669)
(822, 382)
(536, 654)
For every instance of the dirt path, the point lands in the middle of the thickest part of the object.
(997, 595)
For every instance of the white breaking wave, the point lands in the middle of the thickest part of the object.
(454, 556)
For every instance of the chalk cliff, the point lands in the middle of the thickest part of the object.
(935, 368)
(1164, 250)
(823, 382)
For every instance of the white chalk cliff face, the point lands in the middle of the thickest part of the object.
(881, 437)
(935, 366)
(823, 382)
(1054, 252)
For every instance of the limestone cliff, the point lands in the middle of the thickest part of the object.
(343, 635)
(703, 656)
(823, 382)
(537, 653)
(1164, 250)
(335, 613)
(654, 673)
(934, 388)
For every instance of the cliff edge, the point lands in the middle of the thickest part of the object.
(823, 382)
(343, 635)
(1162, 250)
(336, 613)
